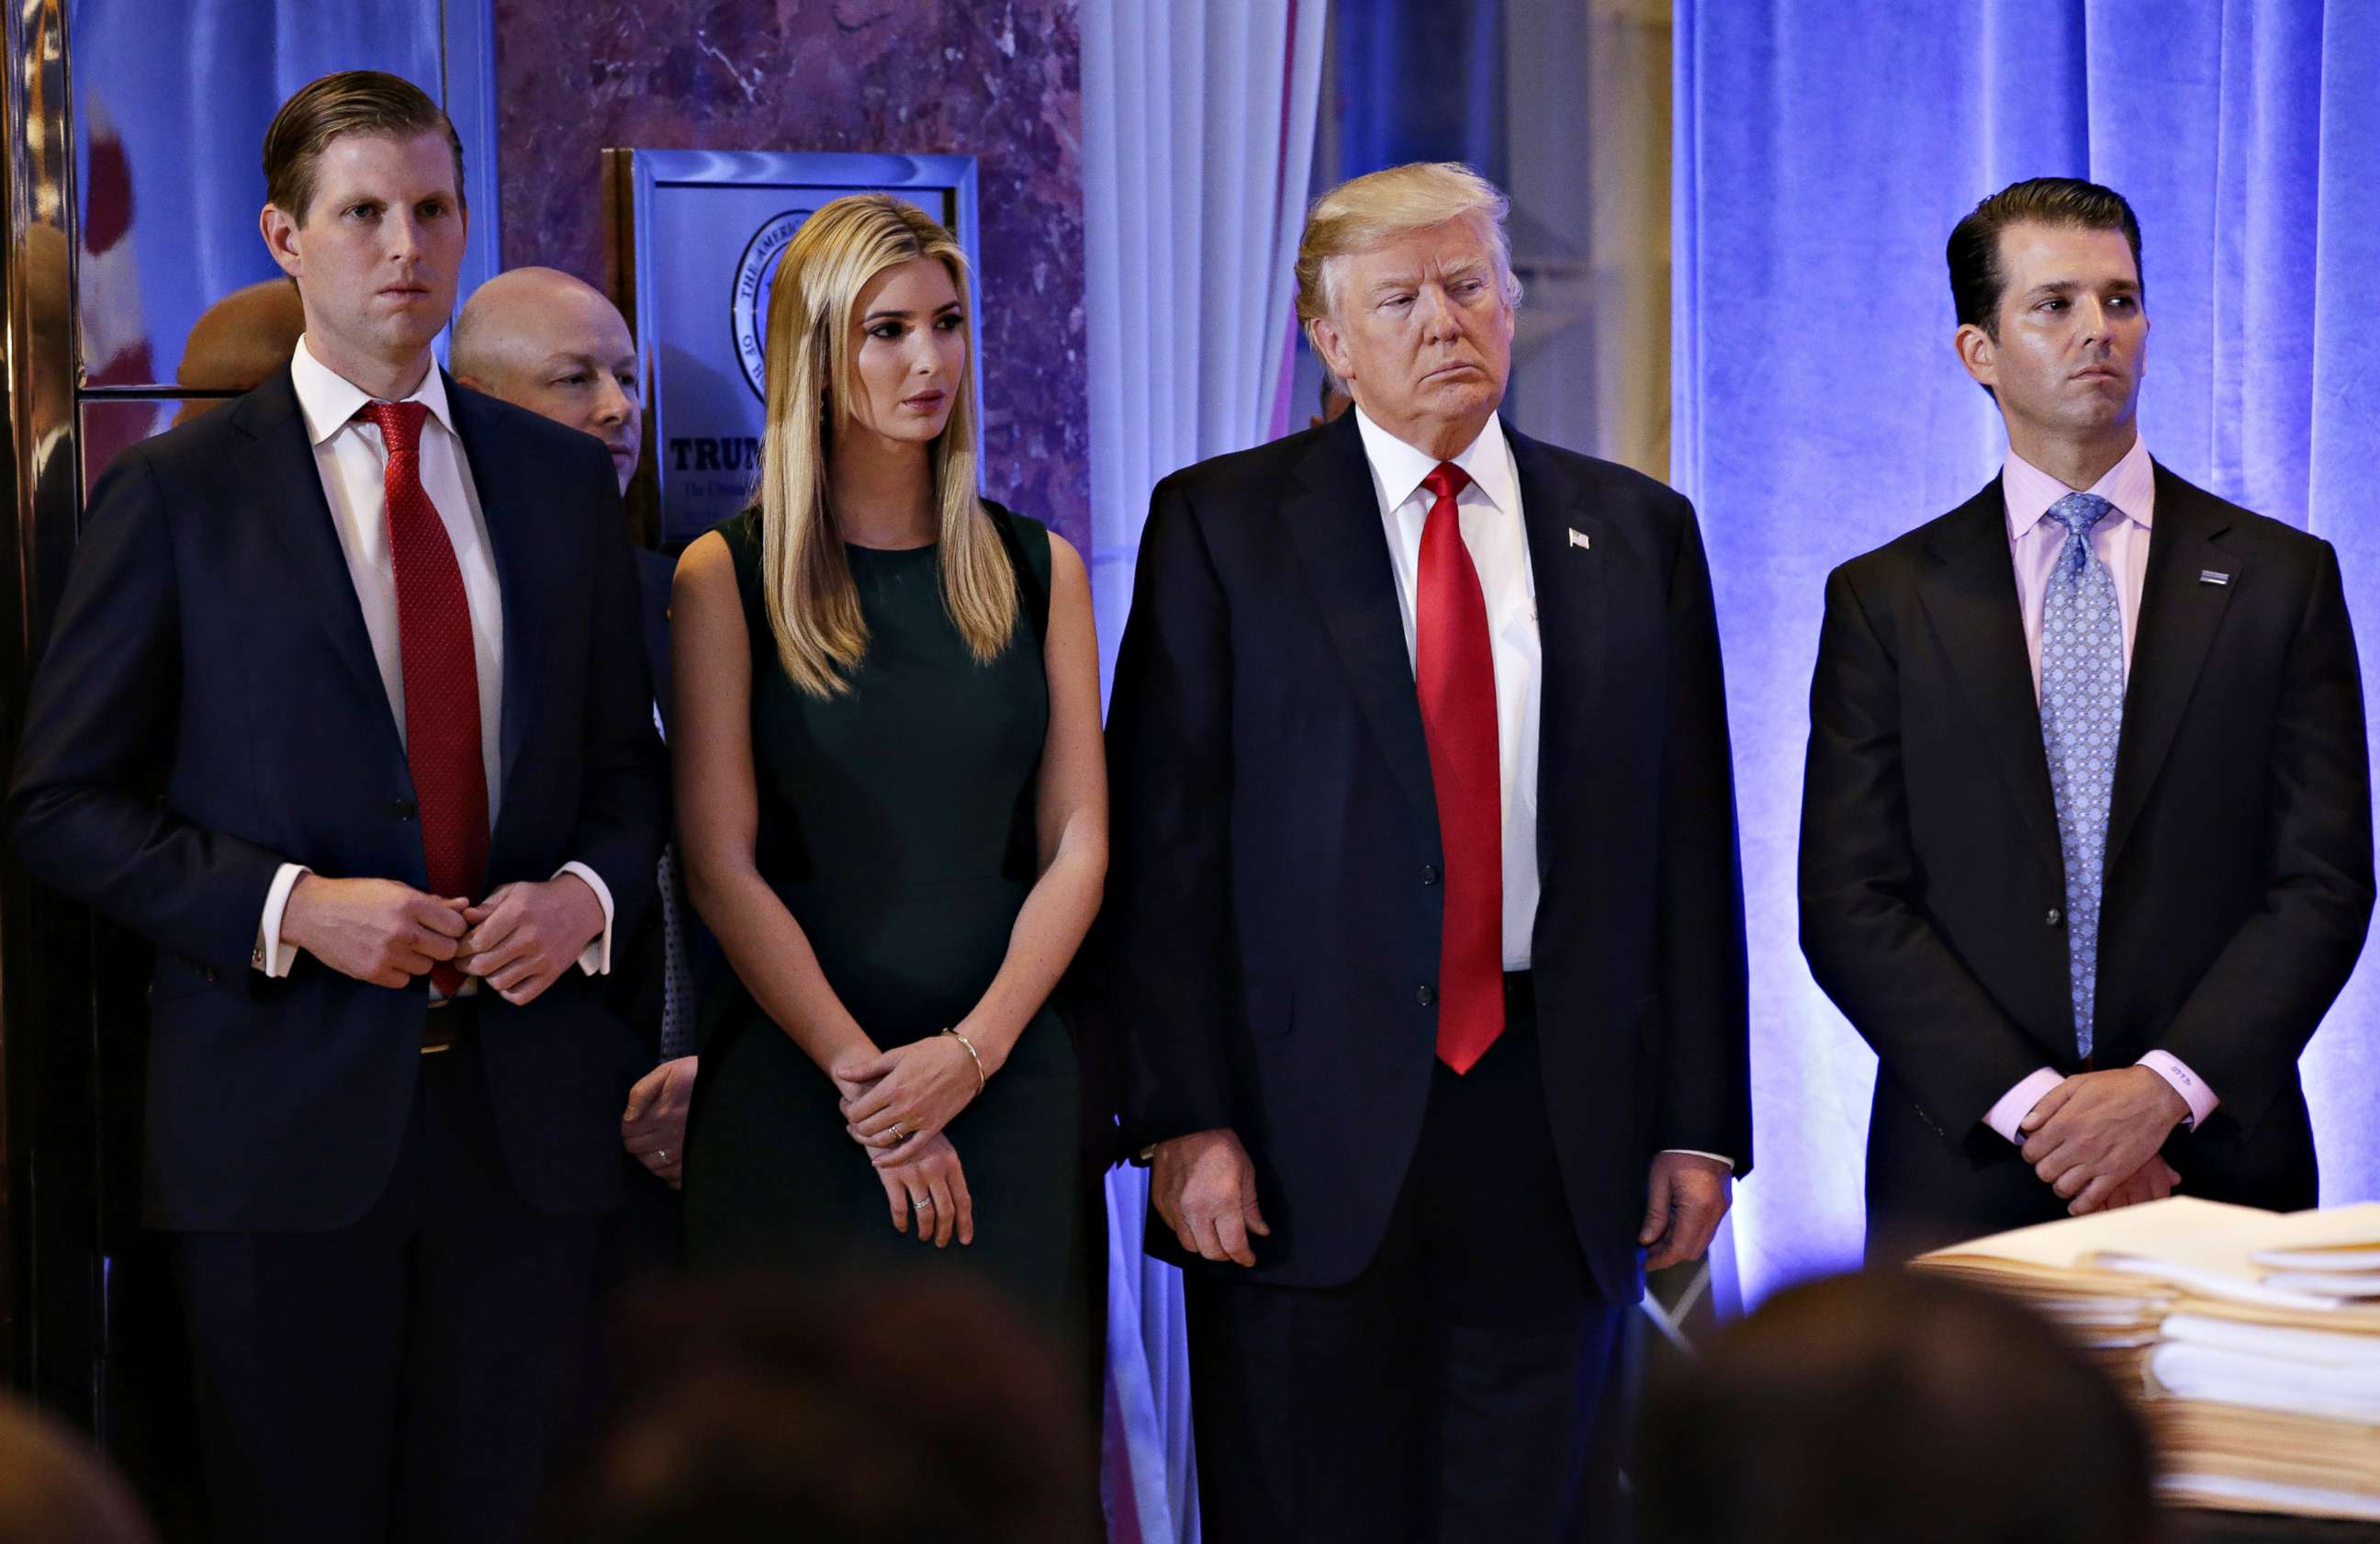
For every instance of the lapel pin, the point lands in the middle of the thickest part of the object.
(1578, 538)
(2209, 576)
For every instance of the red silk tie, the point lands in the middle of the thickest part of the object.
(441, 674)
(1456, 676)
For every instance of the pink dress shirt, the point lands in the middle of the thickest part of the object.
(2121, 541)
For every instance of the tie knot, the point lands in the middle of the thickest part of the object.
(2079, 512)
(399, 423)
(1446, 481)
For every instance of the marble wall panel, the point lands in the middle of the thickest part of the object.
(998, 79)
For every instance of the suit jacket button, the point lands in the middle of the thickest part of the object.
(1430, 873)
(1427, 996)
(2054, 917)
(404, 809)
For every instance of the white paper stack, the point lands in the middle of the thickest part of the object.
(2253, 1338)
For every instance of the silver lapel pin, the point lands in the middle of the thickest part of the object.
(1578, 538)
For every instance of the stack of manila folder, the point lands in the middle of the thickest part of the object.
(2253, 1337)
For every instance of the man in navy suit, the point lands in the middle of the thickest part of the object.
(1424, 936)
(544, 340)
(337, 713)
(2086, 824)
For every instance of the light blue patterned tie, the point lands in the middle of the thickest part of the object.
(2082, 714)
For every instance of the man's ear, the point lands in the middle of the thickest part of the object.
(282, 239)
(1978, 353)
(1331, 347)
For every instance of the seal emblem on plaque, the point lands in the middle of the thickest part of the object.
(756, 273)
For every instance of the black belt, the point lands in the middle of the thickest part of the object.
(450, 1022)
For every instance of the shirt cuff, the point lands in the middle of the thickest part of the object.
(596, 958)
(2194, 1093)
(1697, 1152)
(271, 956)
(2018, 1102)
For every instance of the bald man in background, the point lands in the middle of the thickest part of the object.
(543, 340)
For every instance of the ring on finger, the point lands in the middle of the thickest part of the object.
(923, 1203)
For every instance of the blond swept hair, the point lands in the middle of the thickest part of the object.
(1364, 212)
(813, 606)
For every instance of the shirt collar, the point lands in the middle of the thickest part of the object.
(330, 400)
(1398, 467)
(2129, 485)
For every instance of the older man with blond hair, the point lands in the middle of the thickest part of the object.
(1425, 931)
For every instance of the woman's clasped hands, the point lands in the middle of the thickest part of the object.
(897, 1104)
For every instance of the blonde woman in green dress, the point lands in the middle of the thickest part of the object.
(891, 801)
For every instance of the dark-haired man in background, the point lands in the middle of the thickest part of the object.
(338, 714)
(2086, 830)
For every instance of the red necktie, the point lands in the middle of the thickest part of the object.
(1456, 676)
(441, 674)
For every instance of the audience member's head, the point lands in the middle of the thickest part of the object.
(555, 344)
(56, 1489)
(238, 342)
(1889, 1407)
(764, 1408)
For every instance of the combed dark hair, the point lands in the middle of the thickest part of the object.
(1977, 279)
(350, 102)
(1893, 1406)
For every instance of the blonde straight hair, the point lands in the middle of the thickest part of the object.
(813, 605)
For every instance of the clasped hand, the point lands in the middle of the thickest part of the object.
(519, 940)
(897, 1103)
(2094, 1138)
(895, 1099)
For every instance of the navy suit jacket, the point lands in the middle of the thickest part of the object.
(209, 707)
(1273, 909)
(2238, 876)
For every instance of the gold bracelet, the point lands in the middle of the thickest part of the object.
(979, 1078)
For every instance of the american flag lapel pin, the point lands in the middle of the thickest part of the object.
(2213, 576)
(1578, 538)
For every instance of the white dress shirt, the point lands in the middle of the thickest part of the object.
(1498, 540)
(353, 461)
(1490, 511)
(2121, 541)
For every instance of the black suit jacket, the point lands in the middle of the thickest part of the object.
(1272, 906)
(2239, 869)
(209, 707)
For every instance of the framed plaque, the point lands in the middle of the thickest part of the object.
(697, 236)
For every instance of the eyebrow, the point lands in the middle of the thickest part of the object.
(2068, 286)
(903, 316)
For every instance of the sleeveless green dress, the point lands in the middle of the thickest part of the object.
(896, 825)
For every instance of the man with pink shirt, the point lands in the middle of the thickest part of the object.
(2086, 831)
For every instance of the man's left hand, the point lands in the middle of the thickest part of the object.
(653, 1126)
(2094, 1131)
(524, 936)
(1684, 1203)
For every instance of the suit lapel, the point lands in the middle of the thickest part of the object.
(1969, 592)
(300, 515)
(1334, 519)
(2180, 616)
(1572, 607)
(505, 500)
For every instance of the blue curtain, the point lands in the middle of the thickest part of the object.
(1418, 80)
(1824, 150)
